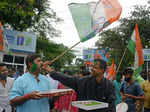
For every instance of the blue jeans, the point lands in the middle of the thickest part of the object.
(131, 108)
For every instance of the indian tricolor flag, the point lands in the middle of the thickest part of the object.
(135, 47)
(90, 18)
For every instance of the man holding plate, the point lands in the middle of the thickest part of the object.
(92, 87)
(26, 91)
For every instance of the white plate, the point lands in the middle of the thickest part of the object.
(122, 107)
(89, 104)
(56, 91)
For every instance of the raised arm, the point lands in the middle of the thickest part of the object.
(64, 79)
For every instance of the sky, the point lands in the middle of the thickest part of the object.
(69, 35)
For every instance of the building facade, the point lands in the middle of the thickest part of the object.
(16, 47)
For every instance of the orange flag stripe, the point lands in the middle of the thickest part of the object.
(139, 47)
(112, 70)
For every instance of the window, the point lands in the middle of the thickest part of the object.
(14, 62)
(8, 58)
(19, 60)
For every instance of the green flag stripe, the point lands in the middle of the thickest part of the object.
(137, 77)
(132, 46)
(82, 18)
(138, 71)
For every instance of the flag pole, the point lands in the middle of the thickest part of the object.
(63, 53)
(121, 60)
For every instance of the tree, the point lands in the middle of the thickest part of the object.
(34, 15)
(51, 50)
(116, 39)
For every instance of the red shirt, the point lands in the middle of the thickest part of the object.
(64, 102)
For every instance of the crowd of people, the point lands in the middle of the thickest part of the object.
(22, 93)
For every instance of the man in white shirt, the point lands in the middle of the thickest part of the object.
(5, 86)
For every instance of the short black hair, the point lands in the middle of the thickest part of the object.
(120, 73)
(31, 58)
(85, 72)
(102, 63)
(68, 72)
(128, 71)
(2, 64)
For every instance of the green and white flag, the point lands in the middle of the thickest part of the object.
(90, 18)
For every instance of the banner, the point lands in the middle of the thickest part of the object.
(90, 54)
(20, 41)
(146, 53)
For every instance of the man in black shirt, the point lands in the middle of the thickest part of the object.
(93, 87)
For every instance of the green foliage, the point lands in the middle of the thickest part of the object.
(75, 68)
(116, 39)
(51, 50)
(36, 16)
(30, 15)
(18, 13)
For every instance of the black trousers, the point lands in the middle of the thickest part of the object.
(146, 110)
